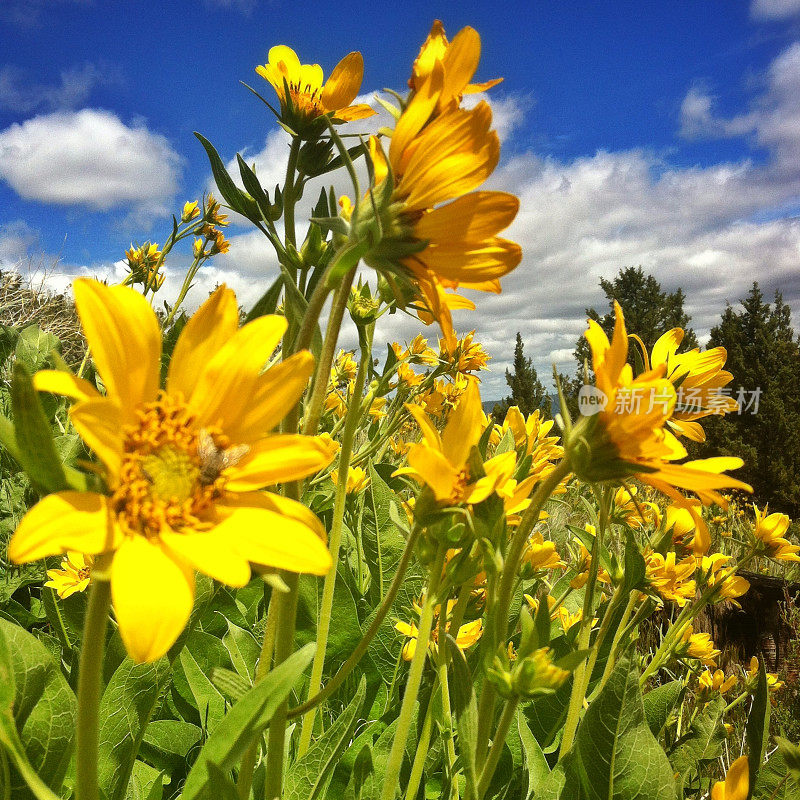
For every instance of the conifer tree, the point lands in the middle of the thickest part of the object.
(527, 391)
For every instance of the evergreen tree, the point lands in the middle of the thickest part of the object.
(527, 391)
(764, 359)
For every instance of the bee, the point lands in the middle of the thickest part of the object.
(213, 460)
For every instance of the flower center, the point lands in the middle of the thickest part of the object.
(170, 473)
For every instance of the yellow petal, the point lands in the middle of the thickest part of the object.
(64, 383)
(275, 540)
(472, 217)
(356, 112)
(429, 432)
(344, 82)
(210, 553)
(285, 61)
(460, 63)
(153, 594)
(208, 329)
(434, 469)
(737, 781)
(464, 427)
(277, 391)
(124, 339)
(280, 505)
(310, 79)
(280, 458)
(230, 378)
(99, 423)
(64, 521)
(666, 346)
(466, 262)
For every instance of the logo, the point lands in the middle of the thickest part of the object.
(591, 400)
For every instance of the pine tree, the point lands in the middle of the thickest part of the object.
(764, 359)
(527, 391)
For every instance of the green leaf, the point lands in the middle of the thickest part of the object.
(659, 703)
(146, 783)
(618, 757)
(702, 743)
(635, 568)
(362, 778)
(536, 766)
(168, 743)
(208, 700)
(34, 346)
(38, 713)
(268, 302)
(563, 783)
(244, 650)
(757, 732)
(36, 450)
(231, 193)
(125, 711)
(246, 720)
(465, 708)
(775, 781)
(231, 685)
(307, 778)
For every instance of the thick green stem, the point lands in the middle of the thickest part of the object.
(418, 766)
(391, 779)
(443, 661)
(618, 635)
(339, 678)
(352, 419)
(317, 401)
(503, 727)
(89, 691)
(508, 578)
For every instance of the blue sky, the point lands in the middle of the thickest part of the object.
(635, 132)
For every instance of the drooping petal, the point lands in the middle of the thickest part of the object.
(274, 539)
(99, 423)
(277, 391)
(210, 553)
(434, 469)
(429, 432)
(206, 332)
(64, 521)
(464, 427)
(153, 594)
(344, 82)
(226, 385)
(64, 383)
(280, 458)
(124, 339)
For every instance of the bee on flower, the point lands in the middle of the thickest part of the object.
(185, 465)
(74, 575)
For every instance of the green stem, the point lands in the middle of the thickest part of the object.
(442, 665)
(392, 777)
(580, 677)
(289, 198)
(311, 317)
(418, 766)
(500, 612)
(339, 678)
(352, 419)
(90, 690)
(498, 742)
(621, 630)
(317, 401)
(738, 701)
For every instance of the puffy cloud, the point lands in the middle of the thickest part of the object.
(89, 158)
(774, 9)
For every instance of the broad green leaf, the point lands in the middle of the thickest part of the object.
(536, 766)
(231, 193)
(34, 437)
(659, 703)
(34, 346)
(384, 546)
(146, 783)
(362, 778)
(231, 685)
(307, 778)
(545, 715)
(757, 733)
(208, 700)
(246, 720)
(125, 711)
(168, 743)
(38, 713)
(243, 649)
(775, 781)
(563, 783)
(702, 743)
(618, 757)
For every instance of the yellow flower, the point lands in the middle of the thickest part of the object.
(308, 96)
(458, 61)
(417, 352)
(357, 479)
(769, 533)
(190, 211)
(673, 581)
(698, 378)
(213, 214)
(732, 585)
(541, 555)
(463, 355)
(184, 466)
(736, 785)
(773, 684)
(344, 368)
(628, 437)
(407, 376)
(710, 683)
(467, 635)
(377, 408)
(631, 510)
(440, 461)
(74, 575)
(688, 527)
(699, 646)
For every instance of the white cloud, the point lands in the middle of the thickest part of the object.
(774, 9)
(16, 240)
(21, 95)
(89, 158)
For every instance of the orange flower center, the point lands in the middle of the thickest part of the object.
(170, 473)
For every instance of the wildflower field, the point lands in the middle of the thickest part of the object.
(241, 561)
